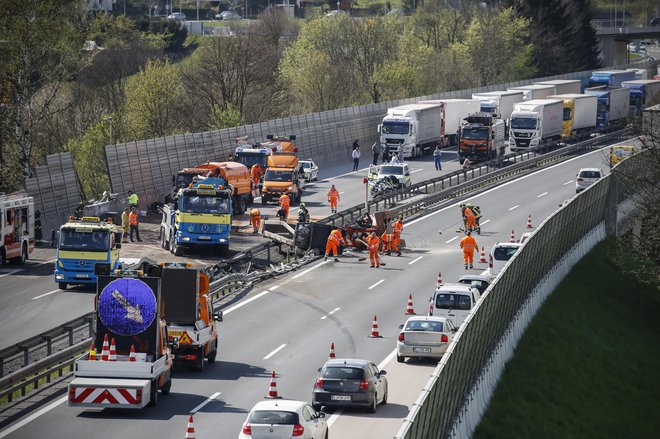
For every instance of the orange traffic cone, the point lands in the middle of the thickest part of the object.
(131, 356)
(106, 349)
(113, 351)
(513, 237)
(409, 307)
(92, 353)
(332, 350)
(439, 279)
(374, 328)
(482, 259)
(272, 389)
(190, 430)
(529, 221)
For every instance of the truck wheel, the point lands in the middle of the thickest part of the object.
(62, 285)
(2, 257)
(211, 356)
(199, 364)
(154, 393)
(242, 205)
(162, 238)
(168, 385)
(178, 250)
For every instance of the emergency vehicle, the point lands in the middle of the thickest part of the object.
(16, 227)
(81, 244)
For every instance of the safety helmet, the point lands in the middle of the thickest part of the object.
(468, 205)
(462, 204)
(302, 204)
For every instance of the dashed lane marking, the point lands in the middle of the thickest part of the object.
(330, 313)
(275, 351)
(376, 284)
(568, 182)
(415, 260)
(453, 239)
(542, 195)
(308, 270)
(47, 294)
(514, 207)
(209, 399)
(238, 305)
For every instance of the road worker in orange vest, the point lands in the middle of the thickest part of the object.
(374, 243)
(255, 219)
(469, 245)
(333, 198)
(332, 245)
(134, 224)
(397, 227)
(285, 202)
(255, 174)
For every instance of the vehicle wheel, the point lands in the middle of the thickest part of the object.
(168, 385)
(213, 353)
(2, 257)
(384, 401)
(154, 393)
(316, 407)
(374, 404)
(162, 238)
(62, 285)
(242, 205)
(400, 359)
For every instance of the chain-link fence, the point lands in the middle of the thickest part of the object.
(147, 166)
(460, 388)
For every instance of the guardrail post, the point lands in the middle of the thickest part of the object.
(69, 329)
(2, 367)
(25, 354)
(49, 343)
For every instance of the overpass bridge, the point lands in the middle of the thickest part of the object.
(613, 42)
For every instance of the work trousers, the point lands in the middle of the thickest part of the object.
(136, 229)
(331, 247)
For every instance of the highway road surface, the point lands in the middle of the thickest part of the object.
(286, 325)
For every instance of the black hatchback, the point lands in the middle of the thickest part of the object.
(350, 382)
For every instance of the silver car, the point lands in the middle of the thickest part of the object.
(281, 418)
(424, 337)
(586, 177)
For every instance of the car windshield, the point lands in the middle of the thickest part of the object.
(478, 284)
(391, 170)
(424, 325)
(84, 239)
(278, 417)
(523, 123)
(395, 128)
(272, 175)
(350, 373)
(184, 180)
(504, 253)
(589, 174)
(194, 203)
(307, 165)
(453, 301)
(252, 158)
(475, 133)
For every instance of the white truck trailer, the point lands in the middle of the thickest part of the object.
(499, 103)
(579, 115)
(534, 91)
(564, 86)
(535, 123)
(453, 113)
(411, 129)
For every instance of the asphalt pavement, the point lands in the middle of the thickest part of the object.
(287, 324)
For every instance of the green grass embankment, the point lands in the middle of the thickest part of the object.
(588, 365)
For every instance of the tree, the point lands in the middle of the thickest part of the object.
(41, 49)
(225, 117)
(88, 159)
(153, 99)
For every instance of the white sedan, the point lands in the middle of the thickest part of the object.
(424, 337)
(282, 418)
(309, 170)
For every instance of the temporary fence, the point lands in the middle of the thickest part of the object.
(460, 388)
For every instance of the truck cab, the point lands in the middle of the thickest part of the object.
(199, 215)
(481, 137)
(16, 227)
(81, 244)
(282, 177)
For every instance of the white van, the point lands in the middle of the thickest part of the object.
(500, 255)
(453, 301)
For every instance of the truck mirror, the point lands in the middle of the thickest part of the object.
(217, 316)
(380, 127)
(174, 343)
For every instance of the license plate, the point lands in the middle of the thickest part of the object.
(340, 398)
(204, 238)
(82, 276)
(422, 350)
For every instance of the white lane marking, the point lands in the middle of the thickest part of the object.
(331, 420)
(341, 193)
(47, 294)
(238, 305)
(598, 151)
(542, 195)
(514, 207)
(32, 417)
(415, 260)
(568, 182)
(454, 238)
(209, 399)
(416, 170)
(8, 271)
(330, 313)
(484, 222)
(274, 288)
(342, 175)
(376, 284)
(275, 351)
(308, 270)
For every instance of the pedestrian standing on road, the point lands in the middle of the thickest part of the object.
(124, 225)
(436, 158)
(386, 153)
(333, 198)
(375, 149)
(132, 199)
(134, 224)
(255, 219)
(356, 155)
(469, 245)
(332, 245)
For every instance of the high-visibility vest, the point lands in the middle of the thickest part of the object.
(133, 219)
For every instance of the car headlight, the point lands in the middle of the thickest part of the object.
(186, 238)
(60, 264)
(222, 240)
(59, 276)
(290, 188)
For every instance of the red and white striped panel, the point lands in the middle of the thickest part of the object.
(108, 396)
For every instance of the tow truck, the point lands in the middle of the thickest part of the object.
(16, 227)
(81, 244)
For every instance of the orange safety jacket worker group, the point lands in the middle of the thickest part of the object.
(469, 245)
(285, 202)
(334, 239)
(333, 198)
(374, 242)
(255, 218)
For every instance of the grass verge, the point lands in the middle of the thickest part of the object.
(587, 365)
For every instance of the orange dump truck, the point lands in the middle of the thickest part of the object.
(281, 177)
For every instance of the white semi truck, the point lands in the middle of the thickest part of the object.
(579, 115)
(563, 86)
(499, 103)
(453, 113)
(411, 129)
(535, 91)
(535, 123)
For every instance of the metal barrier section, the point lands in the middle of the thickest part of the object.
(459, 390)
